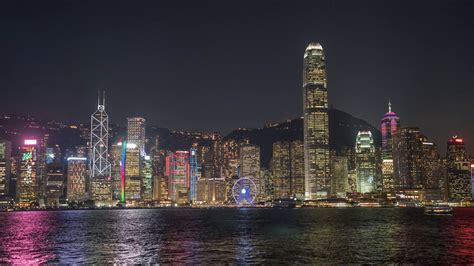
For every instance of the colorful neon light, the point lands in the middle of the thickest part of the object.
(27, 156)
(77, 158)
(31, 141)
(122, 168)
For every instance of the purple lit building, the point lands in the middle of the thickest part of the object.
(390, 125)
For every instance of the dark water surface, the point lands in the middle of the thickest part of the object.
(237, 236)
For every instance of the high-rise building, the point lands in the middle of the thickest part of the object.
(147, 179)
(116, 170)
(76, 179)
(250, 164)
(316, 123)
(178, 172)
(5, 154)
(100, 167)
(366, 162)
(390, 125)
(431, 169)
(55, 184)
(136, 133)
(458, 170)
(408, 155)
(133, 182)
(340, 176)
(27, 183)
(288, 169)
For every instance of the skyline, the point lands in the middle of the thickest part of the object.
(142, 71)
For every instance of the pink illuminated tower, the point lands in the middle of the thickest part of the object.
(390, 125)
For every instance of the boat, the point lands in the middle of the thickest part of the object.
(443, 209)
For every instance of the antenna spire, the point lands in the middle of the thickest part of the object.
(103, 99)
(389, 106)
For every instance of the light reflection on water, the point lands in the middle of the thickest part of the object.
(237, 236)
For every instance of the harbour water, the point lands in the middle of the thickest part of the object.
(353, 235)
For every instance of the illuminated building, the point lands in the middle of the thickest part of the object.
(160, 181)
(133, 182)
(100, 167)
(316, 124)
(116, 170)
(55, 184)
(390, 125)
(288, 169)
(27, 183)
(147, 179)
(408, 158)
(281, 169)
(458, 170)
(178, 172)
(365, 162)
(136, 133)
(230, 163)
(431, 170)
(5, 154)
(76, 179)
(250, 164)
(193, 176)
(340, 181)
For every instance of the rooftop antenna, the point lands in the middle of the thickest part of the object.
(389, 106)
(103, 99)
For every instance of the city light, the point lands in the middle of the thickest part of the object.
(30, 142)
(76, 159)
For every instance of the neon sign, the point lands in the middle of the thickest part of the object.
(27, 156)
(30, 142)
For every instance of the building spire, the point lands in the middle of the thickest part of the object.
(103, 99)
(389, 106)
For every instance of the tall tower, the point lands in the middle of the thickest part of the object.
(458, 170)
(100, 168)
(136, 133)
(365, 162)
(316, 124)
(390, 124)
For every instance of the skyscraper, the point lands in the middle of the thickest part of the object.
(178, 172)
(5, 153)
(366, 162)
(316, 124)
(76, 179)
(408, 158)
(390, 125)
(250, 164)
(288, 169)
(136, 133)
(133, 182)
(27, 183)
(100, 168)
(458, 170)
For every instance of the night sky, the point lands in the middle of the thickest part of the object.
(219, 65)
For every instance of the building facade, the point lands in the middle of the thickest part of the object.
(458, 170)
(366, 162)
(5, 155)
(316, 123)
(76, 179)
(390, 125)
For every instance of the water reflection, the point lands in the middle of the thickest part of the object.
(237, 236)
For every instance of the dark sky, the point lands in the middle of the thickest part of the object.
(219, 65)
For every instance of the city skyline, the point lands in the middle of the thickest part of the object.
(396, 66)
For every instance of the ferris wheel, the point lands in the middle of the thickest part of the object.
(244, 191)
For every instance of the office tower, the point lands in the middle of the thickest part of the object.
(160, 181)
(267, 184)
(316, 124)
(340, 174)
(147, 179)
(100, 168)
(116, 170)
(297, 169)
(27, 183)
(288, 169)
(431, 170)
(76, 179)
(390, 125)
(177, 170)
(193, 175)
(55, 184)
(365, 162)
(5, 154)
(458, 170)
(250, 164)
(136, 133)
(229, 164)
(408, 158)
(133, 182)
(281, 169)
